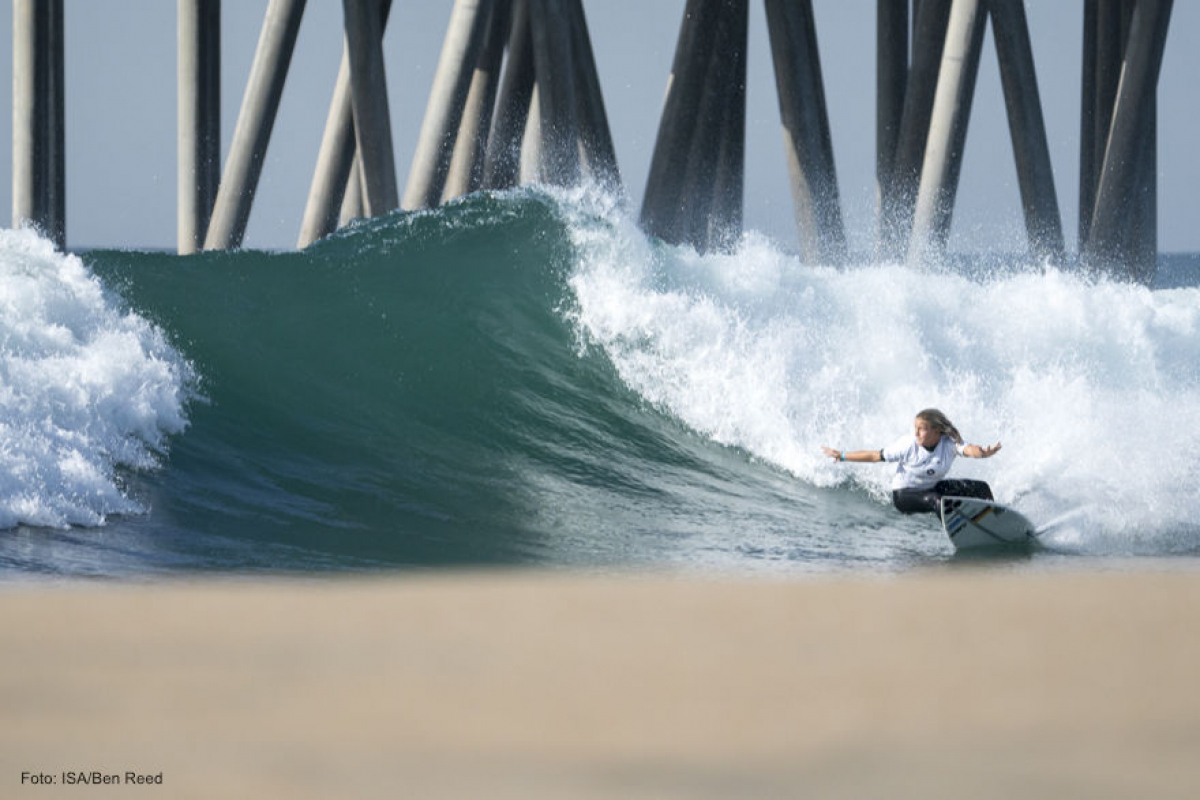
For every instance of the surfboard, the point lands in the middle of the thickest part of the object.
(971, 522)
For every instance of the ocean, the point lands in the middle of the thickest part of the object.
(525, 379)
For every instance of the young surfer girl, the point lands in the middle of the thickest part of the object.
(922, 461)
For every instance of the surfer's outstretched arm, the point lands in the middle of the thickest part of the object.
(853, 455)
(979, 451)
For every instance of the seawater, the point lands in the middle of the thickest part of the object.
(525, 379)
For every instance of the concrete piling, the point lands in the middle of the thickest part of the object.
(660, 214)
(1144, 221)
(683, 147)
(530, 167)
(447, 98)
(199, 118)
(353, 201)
(891, 79)
(539, 114)
(1105, 28)
(947, 130)
(710, 206)
(502, 164)
(929, 37)
(239, 181)
(1141, 223)
(808, 144)
(1035, 175)
(1111, 244)
(39, 163)
(470, 143)
(595, 137)
(1087, 117)
(336, 157)
(1107, 25)
(334, 162)
(56, 162)
(722, 229)
(369, 101)
(551, 35)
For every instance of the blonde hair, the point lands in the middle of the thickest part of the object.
(939, 422)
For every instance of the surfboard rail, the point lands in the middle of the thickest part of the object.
(971, 522)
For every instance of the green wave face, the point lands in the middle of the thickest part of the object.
(412, 391)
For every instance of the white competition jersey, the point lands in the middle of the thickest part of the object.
(918, 468)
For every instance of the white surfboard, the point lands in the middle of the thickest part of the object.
(971, 522)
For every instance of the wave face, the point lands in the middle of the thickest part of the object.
(525, 378)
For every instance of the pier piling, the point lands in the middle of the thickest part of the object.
(335, 160)
(239, 181)
(470, 143)
(39, 159)
(948, 129)
(369, 101)
(517, 97)
(660, 213)
(336, 157)
(531, 143)
(891, 80)
(353, 201)
(808, 144)
(1112, 244)
(199, 118)
(679, 187)
(1043, 223)
(595, 137)
(929, 37)
(551, 35)
(502, 165)
(447, 98)
(712, 199)
(1097, 91)
(55, 171)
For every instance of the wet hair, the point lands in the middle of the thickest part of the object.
(939, 422)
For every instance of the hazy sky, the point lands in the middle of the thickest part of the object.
(121, 112)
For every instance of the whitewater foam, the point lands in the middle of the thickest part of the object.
(86, 388)
(1092, 386)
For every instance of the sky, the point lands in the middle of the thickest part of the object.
(121, 115)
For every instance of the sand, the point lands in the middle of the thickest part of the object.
(952, 684)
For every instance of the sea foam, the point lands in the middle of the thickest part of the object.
(1093, 387)
(86, 388)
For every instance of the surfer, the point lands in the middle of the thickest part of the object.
(922, 461)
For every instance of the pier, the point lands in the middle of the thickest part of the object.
(517, 97)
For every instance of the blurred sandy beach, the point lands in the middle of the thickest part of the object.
(958, 683)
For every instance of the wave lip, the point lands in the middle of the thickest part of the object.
(86, 390)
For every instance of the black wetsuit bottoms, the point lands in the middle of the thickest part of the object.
(925, 501)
